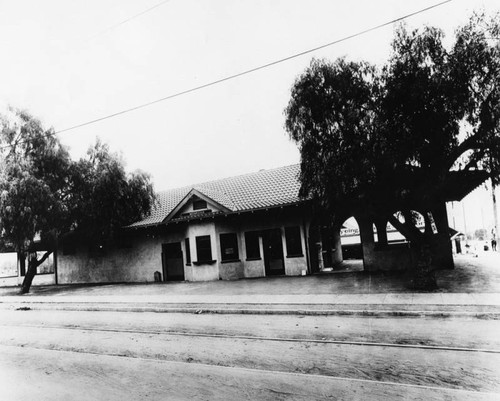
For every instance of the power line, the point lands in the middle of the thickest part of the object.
(91, 37)
(110, 28)
(261, 67)
(249, 71)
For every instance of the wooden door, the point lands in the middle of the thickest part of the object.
(173, 262)
(273, 252)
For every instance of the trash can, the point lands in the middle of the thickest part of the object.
(157, 276)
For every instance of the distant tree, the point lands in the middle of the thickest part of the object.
(480, 234)
(377, 142)
(43, 193)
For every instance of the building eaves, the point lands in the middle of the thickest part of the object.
(252, 191)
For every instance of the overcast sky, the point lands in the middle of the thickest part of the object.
(69, 62)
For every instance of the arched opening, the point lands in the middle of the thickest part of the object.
(324, 246)
(359, 238)
(351, 240)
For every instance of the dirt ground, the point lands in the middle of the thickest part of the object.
(440, 332)
(471, 274)
(88, 377)
(83, 355)
(130, 356)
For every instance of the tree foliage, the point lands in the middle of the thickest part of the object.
(380, 143)
(33, 181)
(44, 193)
(106, 197)
(378, 140)
(331, 116)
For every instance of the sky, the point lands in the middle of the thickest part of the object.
(70, 62)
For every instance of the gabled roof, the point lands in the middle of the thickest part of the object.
(263, 189)
(195, 193)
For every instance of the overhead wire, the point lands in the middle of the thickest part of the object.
(245, 72)
(110, 28)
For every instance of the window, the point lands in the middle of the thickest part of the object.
(252, 245)
(188, 251)
(229, 247)
(293, 243)
(203, 249)
(199, 204)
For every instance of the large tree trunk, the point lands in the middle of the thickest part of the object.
(365, 224)
(337, 256)
(33, 264)
(423, 274)
(442, 251)
(381, 225)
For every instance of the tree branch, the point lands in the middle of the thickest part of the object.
(42, 259)
(467, 144)
(409, 231)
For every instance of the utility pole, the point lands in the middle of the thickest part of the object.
(453, 214)
(465, 223)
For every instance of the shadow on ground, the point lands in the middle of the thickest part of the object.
(479, 274)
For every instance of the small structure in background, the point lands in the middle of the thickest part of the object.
(457, 239)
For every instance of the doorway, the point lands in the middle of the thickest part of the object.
(273, 252)
(173, 262)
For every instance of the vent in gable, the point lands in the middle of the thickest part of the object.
(199, 204)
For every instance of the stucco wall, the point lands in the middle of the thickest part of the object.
(40, 279)
(394, 257)
(252, 268)
(135, 264)
(235, 269)
(14, 278)
(9, 281)
(294, 266)
(139, 262)
(202, 271)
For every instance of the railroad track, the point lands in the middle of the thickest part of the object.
(257, 338)
(446, 367)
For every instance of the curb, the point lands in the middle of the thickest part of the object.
(267, 310)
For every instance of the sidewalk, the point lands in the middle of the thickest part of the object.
(471, 289)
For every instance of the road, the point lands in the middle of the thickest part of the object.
(60, 355)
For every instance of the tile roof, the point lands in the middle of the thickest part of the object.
(262, 189)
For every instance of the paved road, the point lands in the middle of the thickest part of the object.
(61, 355)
